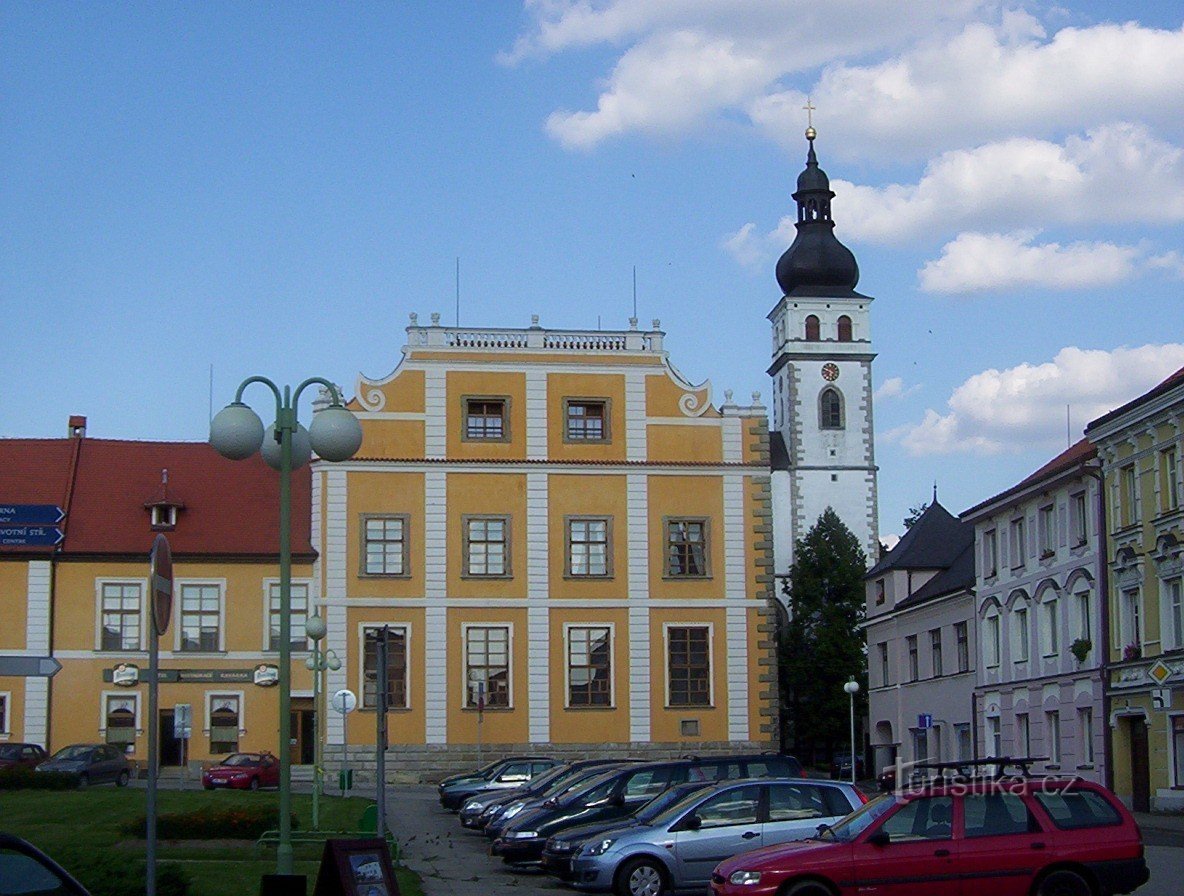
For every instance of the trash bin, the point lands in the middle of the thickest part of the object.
(368, 823)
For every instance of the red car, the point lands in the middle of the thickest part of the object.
(243, 771)
(1003, 837)
(21, 755)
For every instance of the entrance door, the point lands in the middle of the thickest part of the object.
(170, 746)
(1140, 767)
(302, 751)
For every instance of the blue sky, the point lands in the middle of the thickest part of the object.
(272, 188)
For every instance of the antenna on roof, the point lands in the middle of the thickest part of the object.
(635, 290)
(934, 491)
(458, 290)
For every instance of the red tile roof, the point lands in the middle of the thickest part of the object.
(1071, 457)
(231, 508)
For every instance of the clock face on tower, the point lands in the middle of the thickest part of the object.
(830, 372)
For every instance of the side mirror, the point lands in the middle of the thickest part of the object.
(617, 799)
(879, 838)
(692, 822)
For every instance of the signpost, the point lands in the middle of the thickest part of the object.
(925, 721)
(30, 525)
(31, 514)
(160, 567)
(29, 666)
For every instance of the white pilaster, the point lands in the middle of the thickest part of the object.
(435, 424)
(732, 432)
(436, 615)
(635, 413)
(38, 586)
(336, 639)
(536, 413)
(637, 504)
(736, 647)
(538, 645)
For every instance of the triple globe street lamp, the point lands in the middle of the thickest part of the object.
(236, 432)
(318, 661)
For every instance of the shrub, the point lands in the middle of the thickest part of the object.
(21, 778)
(243, 823)
(104, 874)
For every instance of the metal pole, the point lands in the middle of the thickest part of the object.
(852, 695)
(383, 702)
(285, 428)
(316, 735)
(153, 726)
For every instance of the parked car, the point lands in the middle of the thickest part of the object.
(840, 766)
(1004, 836)
(501, 776)
(618, 794)
(680, 848)
(93, 763)
(21, 755)
(497, 817)
(243, 771)
(481, 805)
(21, 861)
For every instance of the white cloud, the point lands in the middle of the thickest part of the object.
(978, 262)
(749, 251)
(894, 387)
(1172, 262)
(1024, 406)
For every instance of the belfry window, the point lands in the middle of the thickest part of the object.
(812, 328)
(844, 328)
(830, 409)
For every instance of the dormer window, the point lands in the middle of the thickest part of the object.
(163, 508)
(164, 516)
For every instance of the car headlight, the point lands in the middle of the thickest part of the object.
(475, 806)
(558, 846)
(522, 835)
(513, 810)
(743, 878)
(600, 847)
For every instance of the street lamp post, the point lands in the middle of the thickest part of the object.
(236, 432)
(318, 662)
(852, 688)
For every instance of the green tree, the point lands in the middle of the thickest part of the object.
(822, 645)
(915, 514)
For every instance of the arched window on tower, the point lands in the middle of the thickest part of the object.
(812, 328)
(844, 328)
(830, 409)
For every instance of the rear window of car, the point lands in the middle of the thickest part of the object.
(1073, 809)
(774, 767)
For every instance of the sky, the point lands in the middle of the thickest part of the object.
(191, 194)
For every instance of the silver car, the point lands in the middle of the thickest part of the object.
(678, 849)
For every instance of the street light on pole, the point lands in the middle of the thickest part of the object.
(852, 688)
(318, 662)
(236, 432)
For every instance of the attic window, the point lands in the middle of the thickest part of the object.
(164, 516)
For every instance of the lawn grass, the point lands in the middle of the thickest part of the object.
(73, 826)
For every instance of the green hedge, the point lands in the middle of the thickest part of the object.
(21, 778)
(244, 823)
(107, 874)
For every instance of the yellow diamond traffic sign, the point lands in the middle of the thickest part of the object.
(1160, 672)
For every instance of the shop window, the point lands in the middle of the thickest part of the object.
(120, 719)
(224, 724)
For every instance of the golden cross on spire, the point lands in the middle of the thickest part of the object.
(810, 109)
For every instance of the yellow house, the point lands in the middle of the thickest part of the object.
(84, 599)
(570, 544)
(1141, 446)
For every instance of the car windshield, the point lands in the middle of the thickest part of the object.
(590, 789)
(10, 751)
(75, 752)
(566, 786)
(541, 783)
(859, 820)
(658, 806)
(242, 759)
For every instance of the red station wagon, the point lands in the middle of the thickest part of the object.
(975, 837)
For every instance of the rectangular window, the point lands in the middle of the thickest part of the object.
(586, 420)
(935, 651)
(991, 643)
(396, 667)
(962, 735)
(200, 618)
(990, 553)
(1170, 479)
(225, 723)
(1084, 619)
(920, 745)
(1052, 736)
(384, 546)
(589, 666)
(485, 419)
(487, 546)
(1023, 734)
(914, 671)
(962, 639)
(4, 714)
(121, 611)
(1130, 496)
(587, 547)
(1046, 531)
(1178, 749)
(994, 737)
(487, 666)
(689, 665)
(1078, 519)
(120, 716)
(686, 548)
(1020, 635)
(885, 677)
(1050, 630)
(1129, 621)
(1085, 734)
(1175, 595)
(298, 595)
(1019, 549)
(879, 591)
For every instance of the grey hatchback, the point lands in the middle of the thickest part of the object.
(678, 849)
(93, 763)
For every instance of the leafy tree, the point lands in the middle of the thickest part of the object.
(915, 514)
(822, 646)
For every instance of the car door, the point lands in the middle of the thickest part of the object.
(911, 852)
(1002, 846)
(723, 825)
(795, 812)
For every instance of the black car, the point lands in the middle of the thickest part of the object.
(621, 792)
(840, 766)
(504, 775)
(481, 805)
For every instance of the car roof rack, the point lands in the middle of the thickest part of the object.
(971, 769)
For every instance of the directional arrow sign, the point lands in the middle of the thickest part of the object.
(29, 666)
(31, 514)
(16, 536)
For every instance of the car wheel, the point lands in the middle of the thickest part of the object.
(123, 778)
(83, 780)
(641, 877)
(254, 784)
(1064, 883)
(807, 888)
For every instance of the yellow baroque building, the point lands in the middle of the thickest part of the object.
(570, 544)
(1141, 445)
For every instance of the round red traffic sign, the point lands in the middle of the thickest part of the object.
(161, 567)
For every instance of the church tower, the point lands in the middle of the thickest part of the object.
(822, 450)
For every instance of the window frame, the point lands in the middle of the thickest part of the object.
(990, 553)
(1052, 736)
(468, 400)
(992, 641)
(1173, 603)
(606, 407)
(1046, 530)
(914, 659)
(1128, 478)
(471, 706)
(1021, 638)
(962, 646)
(1078, 519)
(610, 632)
(840, 408)
(179, 614)
(5, 714)
(208, 731)
(1085, 734)
(271, 592)
(364, 543)
(132, 694)
(1050, 639)
(667, 523)
(143, 622)
(507, 568)
(568, 542)
(1169, 463)
(364, 628)
(667, 628)
(1023, 733)
(885, 667)
(812, 328)
(1018, 543)
(936, 657)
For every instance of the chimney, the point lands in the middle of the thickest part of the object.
(77, 427)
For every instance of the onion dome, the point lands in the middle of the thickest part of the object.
(817, 264)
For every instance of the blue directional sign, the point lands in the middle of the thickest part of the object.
(925, 720)
(31, 514)
(29, 536)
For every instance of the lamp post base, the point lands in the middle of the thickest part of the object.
(283, 885)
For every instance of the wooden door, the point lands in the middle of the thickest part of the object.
(1140, 767)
